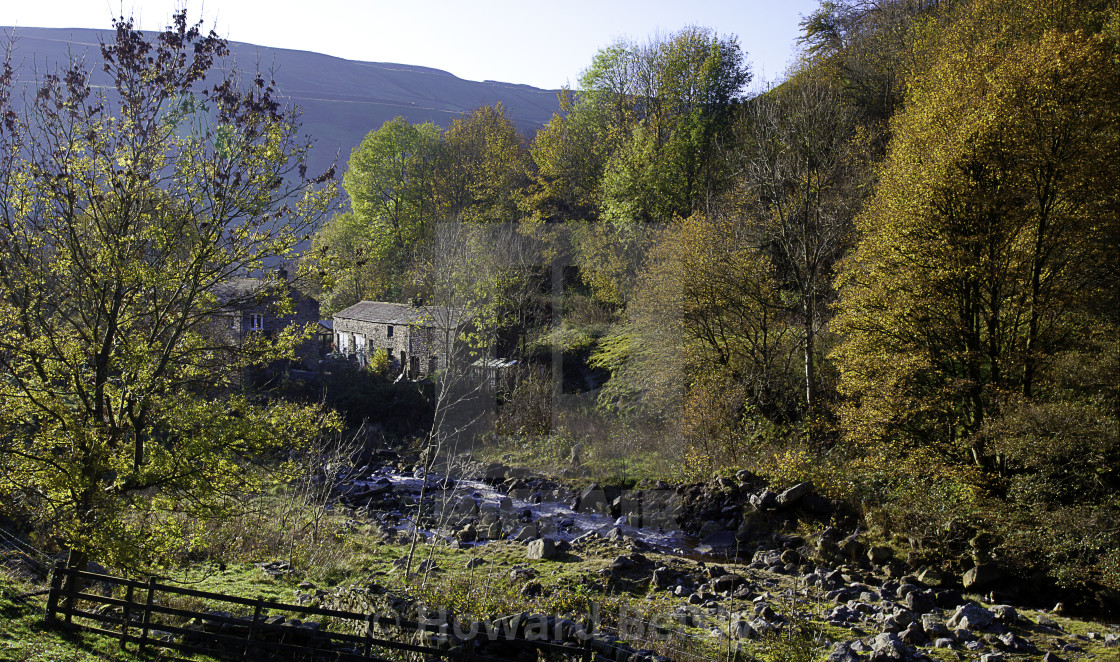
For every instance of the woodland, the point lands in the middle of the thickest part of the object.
(895, 274)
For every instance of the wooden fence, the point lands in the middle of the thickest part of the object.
(144, 617)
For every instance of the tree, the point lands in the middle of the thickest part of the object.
(390, 179)
(668, 104)
(126, 207)
(482, 168)
(641, 142)
(985, 245)
(798, 187)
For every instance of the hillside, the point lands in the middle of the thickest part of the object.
(342, 100)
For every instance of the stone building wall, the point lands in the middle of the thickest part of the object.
(415, 347)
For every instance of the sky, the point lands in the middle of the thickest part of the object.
(538, 43)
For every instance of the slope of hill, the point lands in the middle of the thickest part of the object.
(342, 100)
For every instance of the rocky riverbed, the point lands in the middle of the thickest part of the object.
(733, 559)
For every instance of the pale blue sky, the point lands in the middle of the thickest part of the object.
(544, 44)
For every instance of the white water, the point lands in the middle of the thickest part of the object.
(568, 524)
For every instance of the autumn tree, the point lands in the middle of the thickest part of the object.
(129, 199)
(984, 246)
(483, 167)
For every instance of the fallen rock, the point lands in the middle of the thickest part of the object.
(842, 652)
(728, 582)
(970, 616)
(794, 494)
(542, 548)
(921, 602)
(981, 576)
(764, 500)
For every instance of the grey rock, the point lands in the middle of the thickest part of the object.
(921, 602)
(621, 564)
(794, 494)
(887, 646)
(879, 554)
(913, 634)
(662, 578)
(542, 548)
(981, 576)
(1005, 614)
(727, 582)
(764, 500)
(1015, 644)
(931, 577)
(970, 616)
(842, 652)
(531, 589)
(933, 627)
(943, 642)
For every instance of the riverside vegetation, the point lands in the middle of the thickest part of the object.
(888, 284)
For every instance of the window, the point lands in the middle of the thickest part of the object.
(256, 321)
(389, 333)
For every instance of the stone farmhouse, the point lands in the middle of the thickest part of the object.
(415, 337)
(250, 307)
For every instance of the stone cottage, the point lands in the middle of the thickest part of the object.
(414, 336)
(250, 307)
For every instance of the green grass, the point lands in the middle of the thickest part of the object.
(26, 637)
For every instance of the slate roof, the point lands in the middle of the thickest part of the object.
(380, 312)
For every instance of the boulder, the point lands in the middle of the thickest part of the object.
(467, 534)
(921, 602)
(887, 646)
(982, 576)
(728, 582)
(794, 494)
(526, 533)
(842, 652)
(1015, 644)
(542, 548)
(930, 577)
(970, 616)
(592, 500)
(1005, 614)
(879, 555)
(764, 500)
(913, 635)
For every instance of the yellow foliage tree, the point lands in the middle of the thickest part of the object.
(986, 245)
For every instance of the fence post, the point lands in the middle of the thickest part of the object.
(587, 650)
(147, 618)
(56, 587)
(127, 615)
(369, 635)
(72, 587)
(252, 627)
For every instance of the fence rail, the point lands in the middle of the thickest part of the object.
(144, 617)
